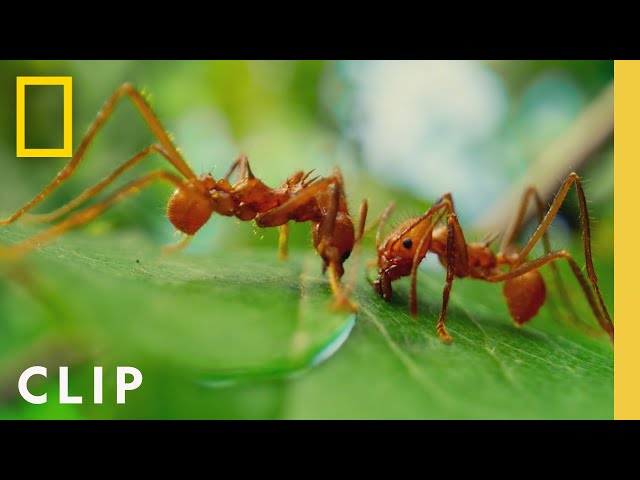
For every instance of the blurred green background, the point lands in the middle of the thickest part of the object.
(405, 131)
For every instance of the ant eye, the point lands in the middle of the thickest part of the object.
(407, 243)
(346, 255)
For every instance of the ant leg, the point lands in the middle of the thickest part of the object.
(282, 241)
(534, 265)
(179, 245)
(241, 163)
(88, 214)
(381, 221)
(96, 189)
(341, 300)
(355, 255)
(532, 194)
(280, 215)
(457, 264)
(445, 203)
(152, 121)
(362, 219)
(586, 235)
(441, 329)
(329, 221)
(336, 269)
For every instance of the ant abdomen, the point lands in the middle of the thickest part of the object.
(525, 295)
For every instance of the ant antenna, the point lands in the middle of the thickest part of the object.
(489, 238)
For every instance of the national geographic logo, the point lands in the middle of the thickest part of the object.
(21, 150)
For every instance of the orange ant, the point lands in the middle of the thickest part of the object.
(524, 289)
(320, 201)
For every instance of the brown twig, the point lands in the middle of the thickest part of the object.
(592, 128)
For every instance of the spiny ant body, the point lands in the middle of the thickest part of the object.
(320, 201)
(400, 253)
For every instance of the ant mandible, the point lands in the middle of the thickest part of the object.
(320, 201)
(524, 289)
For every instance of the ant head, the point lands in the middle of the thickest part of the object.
(339, 246)
(399, 248)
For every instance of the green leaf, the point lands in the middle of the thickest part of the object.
(230, 316)
(221, 335)
(396, 367)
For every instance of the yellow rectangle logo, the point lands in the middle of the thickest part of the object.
(67, 148)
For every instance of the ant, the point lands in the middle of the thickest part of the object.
(524, 290)
(321, 201)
